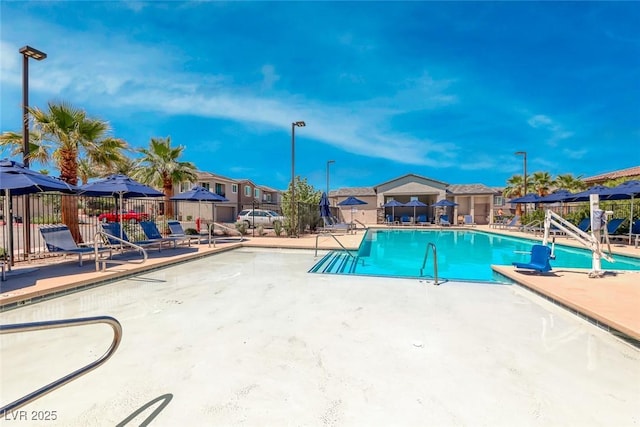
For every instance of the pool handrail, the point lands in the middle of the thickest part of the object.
(106, 236)
(435, 262)
(212, 232)
(338, 241)
(56, 324)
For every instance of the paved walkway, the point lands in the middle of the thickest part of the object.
(612, 301)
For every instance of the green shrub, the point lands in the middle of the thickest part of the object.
(277, 228)
(191, 232)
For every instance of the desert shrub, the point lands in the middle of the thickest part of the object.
(241, 226)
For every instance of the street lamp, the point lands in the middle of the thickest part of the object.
(524, 193)
(328, 163)
(293, 172)
(27, 52)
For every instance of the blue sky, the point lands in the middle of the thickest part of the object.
(446, 90)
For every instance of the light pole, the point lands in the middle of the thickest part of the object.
(328, 163)
(293, 174)
(27, 52)
(524, 193)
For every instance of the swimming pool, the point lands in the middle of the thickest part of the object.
(248, 337)
(462, 255)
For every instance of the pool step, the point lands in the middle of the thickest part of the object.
(335, 262)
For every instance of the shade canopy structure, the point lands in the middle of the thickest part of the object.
(325, 211)
(529, 198)
(444, 203)
(393, 204)
(351, 201)
(121, 187)
(557, 196)
(17, 180)
(415, 203)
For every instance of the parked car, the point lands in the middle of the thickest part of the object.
(262, 217)
(129, 215)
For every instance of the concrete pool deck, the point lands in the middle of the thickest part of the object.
(611, 302)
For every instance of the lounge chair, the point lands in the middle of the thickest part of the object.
(331, 225)
(444, 221)
(176, 230)
(468, 220)
(405, 220)
(539, 262)
(58, 239)
(152, 233)
(513, 223)
(114, 229)
(584, 224)
(422, 220)
(389, 220)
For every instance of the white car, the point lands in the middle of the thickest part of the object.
(258, 217)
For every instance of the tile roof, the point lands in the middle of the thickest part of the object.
(471, 189)
(622, 173)
(353, 191)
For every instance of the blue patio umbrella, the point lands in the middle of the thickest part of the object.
(415, 203)
(392, 204)
(200, 194)
(529, 198)
(583, 196)
(626, 190)
(444, 203)
(17, 180)
(557, 196)
(351, 201)
(121, 187)
(325, 211)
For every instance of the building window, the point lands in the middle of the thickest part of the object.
(256, 193)
(205, 185)
(498, 201)
(267, 197)
(234, 188)
(220, 189)
(247, 190)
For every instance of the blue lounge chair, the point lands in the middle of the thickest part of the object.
(176, 230)
(390, 219)
(114, 229)
(405, 220)
(468, 220)
(584, 224)
(152, 233)
(58, 239)
(422, 220)
(613, 225)
(539, 262)
(444, 221)
(513, 223)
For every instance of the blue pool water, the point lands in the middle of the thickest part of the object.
(462, 254)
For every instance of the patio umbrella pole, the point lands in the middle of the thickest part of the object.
(8, 221)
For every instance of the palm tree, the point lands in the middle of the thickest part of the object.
(542, 182)
(569, 183)
(160, 167)
(65, 135)
(514, 189)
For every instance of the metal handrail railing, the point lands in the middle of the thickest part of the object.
(104, 261)
(212, 229)
(338, 241)
(55, 324)
(435, 262)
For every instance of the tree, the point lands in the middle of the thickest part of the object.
(64, 135)
(542, 183)
(305, 193)
(514, 189)
(160, 167)
(568, 182)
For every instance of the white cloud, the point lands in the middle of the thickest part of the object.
(269, 76)
(555, 131)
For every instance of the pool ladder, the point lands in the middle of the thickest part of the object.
(56, 324)
(432, 246)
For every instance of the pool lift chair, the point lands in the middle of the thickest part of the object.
(540, 256)
(592, 241)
